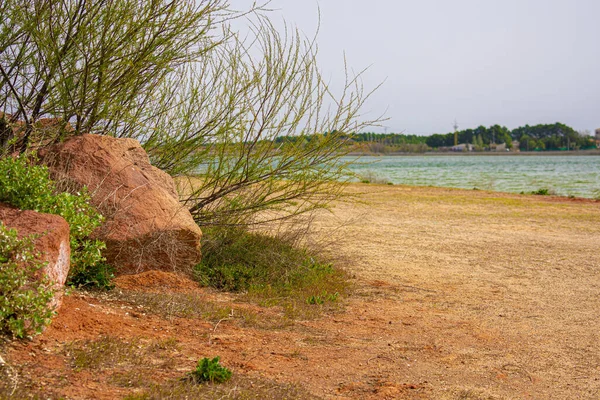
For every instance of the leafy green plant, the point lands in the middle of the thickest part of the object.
(209, 370)
(24, 308)
(29, 187)
(97, 275)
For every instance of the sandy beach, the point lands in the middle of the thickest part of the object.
(461, 294)
(488, 295)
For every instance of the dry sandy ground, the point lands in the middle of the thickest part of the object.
(503, 290)
(462, 295)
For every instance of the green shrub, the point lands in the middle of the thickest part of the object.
(209, 370)
(29, 187)
(541, 192)
(24, 299)
(270, 269)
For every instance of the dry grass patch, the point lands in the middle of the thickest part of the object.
(239, 388)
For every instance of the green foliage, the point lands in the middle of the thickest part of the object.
(481, 137)
(29, 187)
(322, 298)
(200, 97)
(209, 370)
(541, 192)
(237, 260)
(380, 143)
(97, 275)
(388, 138)
(24, 298)
(556, 136)
(272, 270)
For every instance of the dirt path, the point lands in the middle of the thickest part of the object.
(462, 295)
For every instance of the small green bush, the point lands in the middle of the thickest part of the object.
(541, 192)
(29, 187)
(209, 370)
(238, 261)
(272, 270)
(24, 299)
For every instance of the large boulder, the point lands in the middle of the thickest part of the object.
(51, 243)
(146, 227)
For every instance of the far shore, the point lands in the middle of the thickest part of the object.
(595, 152)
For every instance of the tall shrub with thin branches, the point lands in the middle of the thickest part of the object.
(251, 118)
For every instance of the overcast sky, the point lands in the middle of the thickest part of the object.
(481, 62)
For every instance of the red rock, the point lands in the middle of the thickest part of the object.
(146, 226)
(52, 244)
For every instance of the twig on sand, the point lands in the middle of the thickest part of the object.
(223, 319)
(518, 369)
(11, 373)
(217, 325)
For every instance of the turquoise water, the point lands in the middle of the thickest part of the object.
(563, 175)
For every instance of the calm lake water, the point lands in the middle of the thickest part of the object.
(562, 175)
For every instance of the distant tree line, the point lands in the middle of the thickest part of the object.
(480, 137)
(389, 138)
(556, 136)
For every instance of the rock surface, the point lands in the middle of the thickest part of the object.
(146, 227)
(52, 244)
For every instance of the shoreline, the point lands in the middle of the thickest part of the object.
(550, 197)
(482, 153)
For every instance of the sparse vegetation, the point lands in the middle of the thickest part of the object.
(542, 192)
(105, 352)
(175, 305)
(238, 388)
(270, 270)
(170, 305)
(129, 365)
(372, 177)
(24, 308)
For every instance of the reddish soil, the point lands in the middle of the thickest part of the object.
(461, 295)
(157, 280)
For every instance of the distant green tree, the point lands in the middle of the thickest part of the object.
(438, 140)
(479, 141)
(556, 136)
